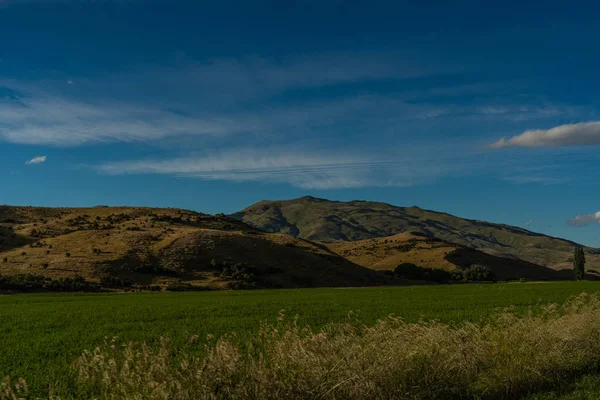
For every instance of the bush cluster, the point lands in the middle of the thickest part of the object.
(475, 273)
(239, 275)
(414, 272)
(179, 286)
(32, 282)
(114, 282)
(152, 270)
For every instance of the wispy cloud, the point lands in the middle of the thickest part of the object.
(229, 80)
(528, 224)
(304, 169)
(213, 97)
(36, 160)
(61, 121)
(545, 180)
(6, 3)
(51, 120)
(581, 134)
(585, 219)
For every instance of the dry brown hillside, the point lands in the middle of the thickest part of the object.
(149, 246)
(388, 252)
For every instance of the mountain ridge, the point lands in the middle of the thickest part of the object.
(327, 221)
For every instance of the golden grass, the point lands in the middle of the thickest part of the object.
(386, 253)
(507, 358)
(60, 243)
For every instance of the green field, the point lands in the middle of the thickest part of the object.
(42, 334)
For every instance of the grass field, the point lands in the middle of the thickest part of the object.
(41, 335)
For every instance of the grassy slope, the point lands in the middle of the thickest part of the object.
(170, 243)
(324, 220)
(388, 252)
(42, 334)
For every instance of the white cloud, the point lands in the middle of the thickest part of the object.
(36, 160)
(64, 122)
(545, 180)
(301, 168)
(585, 219)
(49, 119)
(216, 97)
(581, 134)
(528, 224)
(224, 97)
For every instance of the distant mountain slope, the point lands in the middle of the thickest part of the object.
(329, 221)
(150, 246)
(388, 252)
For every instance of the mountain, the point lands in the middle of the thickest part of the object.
(333, 221)
(149, 246)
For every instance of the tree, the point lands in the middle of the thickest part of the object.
(478, 273)
(579, 263)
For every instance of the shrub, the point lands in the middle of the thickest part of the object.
(5, 259)
(179, 286)
(240, 275)
(31, 282)
(153, 270)
(477, 272)
(67, 254)
(414, 272)
(114, 282)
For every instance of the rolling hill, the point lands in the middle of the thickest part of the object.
(334, 221)
(388, 252)
(146, 246)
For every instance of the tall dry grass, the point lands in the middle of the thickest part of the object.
(509, 357)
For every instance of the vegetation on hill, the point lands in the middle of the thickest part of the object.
(129, 248)
(330, 221)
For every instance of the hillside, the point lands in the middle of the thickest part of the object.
(146, 246)
(388, 252)
(330, 221)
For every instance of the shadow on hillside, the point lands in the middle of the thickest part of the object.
(285, 264)
(10, 240)
(505, 268)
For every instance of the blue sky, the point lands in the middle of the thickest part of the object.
(483, 111)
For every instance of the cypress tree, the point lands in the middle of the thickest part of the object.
(579, 263)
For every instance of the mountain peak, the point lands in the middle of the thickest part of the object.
(310, 198)
(332, 221)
